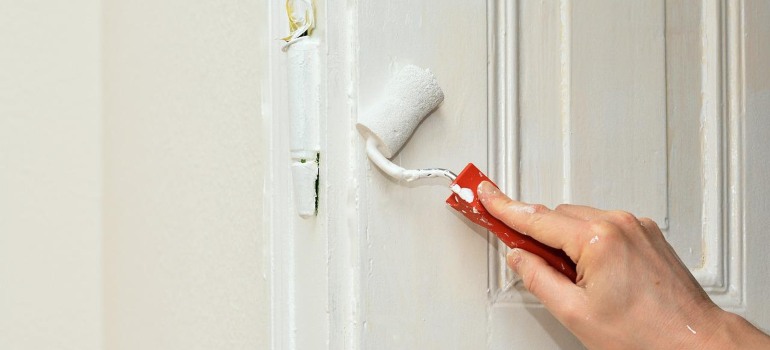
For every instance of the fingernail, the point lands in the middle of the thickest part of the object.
(487, 191)
(513, 259)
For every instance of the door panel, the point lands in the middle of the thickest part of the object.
(614, 119)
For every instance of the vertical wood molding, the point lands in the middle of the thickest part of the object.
(341, 229)
(565, 48)
(315, 277)
(344, 178)
(278, 194)
(299, 259)
(722, 274)
(734, 296)
(503, 128)
(710, 273)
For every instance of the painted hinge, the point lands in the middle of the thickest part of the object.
(304, 83)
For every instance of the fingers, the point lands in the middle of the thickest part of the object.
(545, 225)
(552, 288)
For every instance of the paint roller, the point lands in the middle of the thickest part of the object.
(410, 96)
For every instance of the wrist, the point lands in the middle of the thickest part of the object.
(734, 332)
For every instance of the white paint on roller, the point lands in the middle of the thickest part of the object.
(408, 98)
(398, 172)
(465, 193)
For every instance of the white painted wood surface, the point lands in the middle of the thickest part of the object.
(751, 103)
(656, 107)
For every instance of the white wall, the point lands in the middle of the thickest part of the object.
(50, 175)
(185, 253)
(131, 186)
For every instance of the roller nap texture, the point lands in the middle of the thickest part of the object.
(409, 97)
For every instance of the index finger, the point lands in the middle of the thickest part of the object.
(545, 225)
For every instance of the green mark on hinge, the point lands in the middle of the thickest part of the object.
(317, 175)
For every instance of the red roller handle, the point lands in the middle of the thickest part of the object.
(470, 178)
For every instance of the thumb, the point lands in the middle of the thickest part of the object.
(552, 288)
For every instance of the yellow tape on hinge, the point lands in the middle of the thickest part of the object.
(301, 15)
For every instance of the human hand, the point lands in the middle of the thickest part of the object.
(632, 290)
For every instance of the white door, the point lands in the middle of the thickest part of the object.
(657, 107)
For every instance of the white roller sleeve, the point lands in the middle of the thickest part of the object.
(408, 98)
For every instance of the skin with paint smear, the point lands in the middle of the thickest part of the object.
(632, 291)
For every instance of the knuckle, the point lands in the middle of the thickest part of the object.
(649, 223)
(602, 228)
(538, 212)
(624, 218)
(562, 207)
(651, 226)
(540, 209)
(602, 231)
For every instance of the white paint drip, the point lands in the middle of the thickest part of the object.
(691, 330)
(594, 240)
(465, 193)
(522, 208)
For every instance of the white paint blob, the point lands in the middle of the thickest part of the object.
(594, 240)
(522, 208)
(465, 193)
(691, 330)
